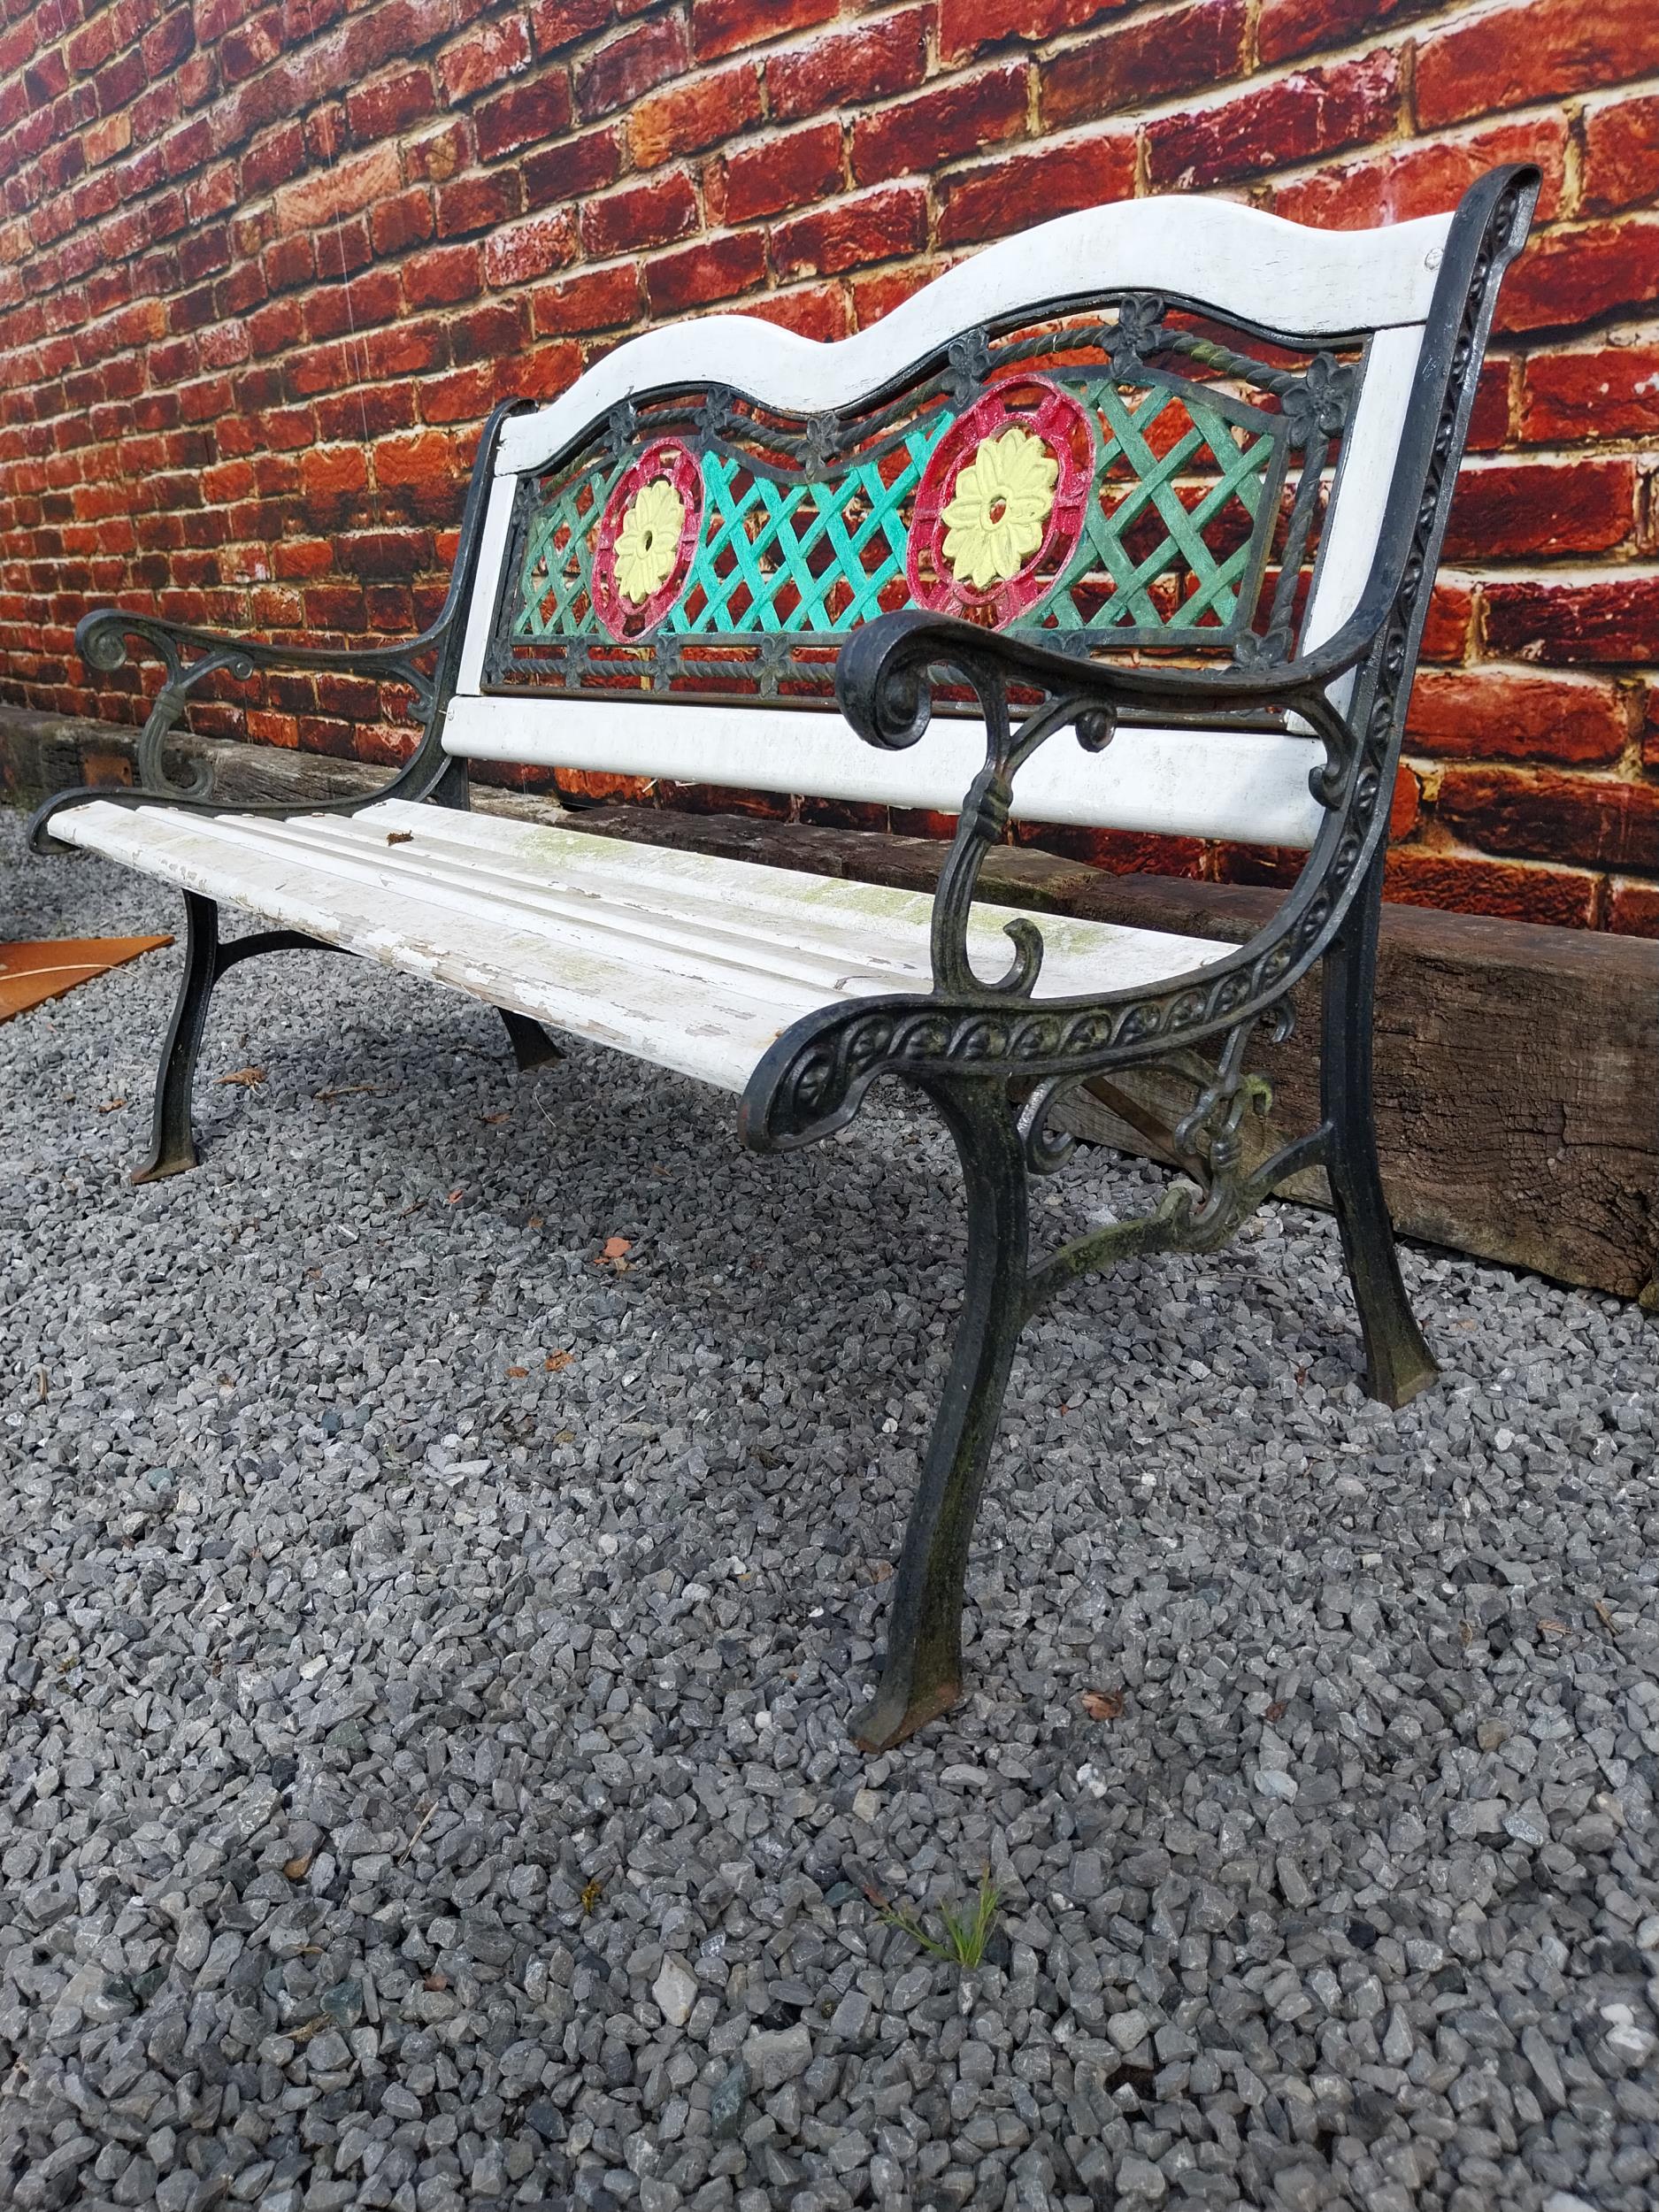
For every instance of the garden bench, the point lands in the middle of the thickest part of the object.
(1128, 522)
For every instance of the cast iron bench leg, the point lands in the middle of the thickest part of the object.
(172, 1135)
(922, 1675)
(173, 1139)
(1398, 1363)
(532, 1046)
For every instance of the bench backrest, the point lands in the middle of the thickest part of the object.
(1170, 424)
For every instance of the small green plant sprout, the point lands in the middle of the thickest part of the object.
(965, 1929)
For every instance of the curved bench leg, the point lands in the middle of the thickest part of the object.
(172, 1137)
(532, 1046)
(1398, 1363)
(922, 1675)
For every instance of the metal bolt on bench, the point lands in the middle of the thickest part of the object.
(1129, 522)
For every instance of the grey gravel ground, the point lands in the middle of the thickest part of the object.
(426, 1650)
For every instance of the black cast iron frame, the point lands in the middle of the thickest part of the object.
(993, 1059)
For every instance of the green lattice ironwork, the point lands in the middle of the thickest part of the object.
(814, 557)
(807, 530)
(1139, 531)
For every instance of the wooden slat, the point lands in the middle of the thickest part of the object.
(1184, 783)
(682, 959)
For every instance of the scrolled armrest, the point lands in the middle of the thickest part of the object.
(882, 678)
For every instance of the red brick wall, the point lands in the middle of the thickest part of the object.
(263, 269)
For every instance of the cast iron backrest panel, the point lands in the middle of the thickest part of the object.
(1161, 426)
(1128, 480)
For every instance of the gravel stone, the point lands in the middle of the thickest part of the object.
(427, 1646)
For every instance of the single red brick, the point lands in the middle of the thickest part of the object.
(1505, 508)
(370, 411)
(816, 311)
(1286, 29)
(442, 275)
(468, 395)
(1425, 177)
(783, 173)
(1487, 713)
(687, 116)
(406, 220)
(968, 27)
(721, 26)
(572, 169)
(1621, 155)
(913, 137)
(477, 203)
(372, 298)
(1296, 119)
(715, 269)
(878, 226)
(594, 299)
(356, 182)
(419, 470)
(289, 262)
(376, 554)
(530, 249)
(331, 474)
(1605, 619)
(484, 54)
(382, 109)
(438, 155)
(166, 45)
(275, 327)
(1489, 421)
(1464, 884)
(1134, 62)
(1449, 624)
(1542, 814)
(1406, 806)
(623, 71)
(557, 23)
(849, 66)
(523, 115)
(407, 348)
(1018, 189)
(1534, 50)
(243, 52)
(489, 330)
(646, 214)
(1607, 391)
(1632, 907)
(342, 247)
(204, 252)
(1568, 277)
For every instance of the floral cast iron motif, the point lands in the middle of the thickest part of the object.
(1000, 507)
(646, 538)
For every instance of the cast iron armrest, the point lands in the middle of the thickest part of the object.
(189, 654)
(812, 1080)
(884, 685)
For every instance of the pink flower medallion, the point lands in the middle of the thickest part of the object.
(647, 537)
(1001, 504)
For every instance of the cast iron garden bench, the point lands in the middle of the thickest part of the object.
(1127, 522)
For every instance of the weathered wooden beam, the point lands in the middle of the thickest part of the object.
(1518, 1066)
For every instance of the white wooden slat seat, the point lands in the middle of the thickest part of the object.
(683, 959)
(1129, 523)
